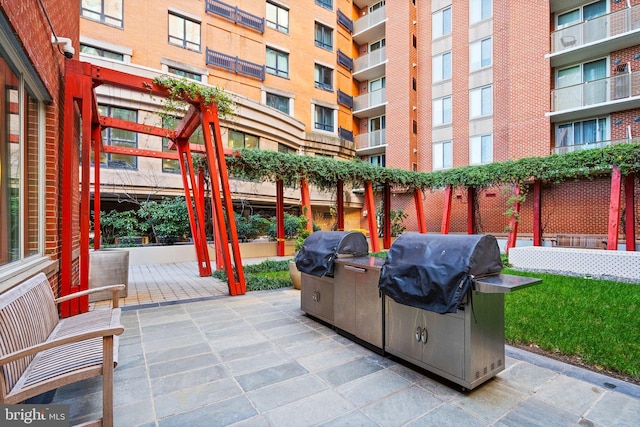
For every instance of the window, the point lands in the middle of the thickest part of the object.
(481, 149)
(277, 62)
(442, 155)
(442, 111)
(239, 139)
(441, 23)
(480, 54)
(479, 10)
(277, 18)
(185, 74)
(184, 32)
(572, 89)
(119, 138)
(584, 13)
(582, 132)
(324, 36)
(481, 101)
(442, 67)
(378, 44)
(323, 118)
(282, 148)
(327, 4)
(376, 6)
(101, 52)
(20, 168)
(106, 11)
(323, 77)
(380, 160)
(278, 102)
(581, 73)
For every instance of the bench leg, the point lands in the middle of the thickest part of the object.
(107, 382)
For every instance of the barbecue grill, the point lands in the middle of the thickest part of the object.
(437, 301)
(316, 263)
(444, 304)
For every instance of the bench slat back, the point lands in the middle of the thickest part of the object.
(28, 314)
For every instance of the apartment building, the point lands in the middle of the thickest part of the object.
(287, 65)
(416, 85)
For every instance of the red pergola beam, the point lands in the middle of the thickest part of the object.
(188, 124)
(630, 215)
(417, 199)
(513, 222)
(110, 122)
(614, 209)
(340, 205)
(386, 212)
(114, 149)
(537, 213)
(371, 216)
(471, 212)
(280, 218)
(446, 211)
(124, 80)
(306, 203)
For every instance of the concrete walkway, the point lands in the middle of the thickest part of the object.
(257, 360)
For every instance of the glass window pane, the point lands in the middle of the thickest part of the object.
(447, 160)
(569, 18)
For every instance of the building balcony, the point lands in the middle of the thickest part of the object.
(370, 104)
(370, 66)
(598, 36)
(235, 14)
(233, 63)
(371, 143)
(596, 97)
(370, 27)
(592, 145)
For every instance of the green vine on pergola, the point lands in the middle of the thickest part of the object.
(324, 173)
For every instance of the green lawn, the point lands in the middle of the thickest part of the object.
(597, 321)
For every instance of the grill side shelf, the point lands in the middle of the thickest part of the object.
(504, 283)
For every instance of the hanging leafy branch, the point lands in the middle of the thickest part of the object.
(182, 90)
(262, 165)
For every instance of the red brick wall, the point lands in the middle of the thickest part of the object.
(31, 27)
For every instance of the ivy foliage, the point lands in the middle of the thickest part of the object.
(182, 91)
(324, 173)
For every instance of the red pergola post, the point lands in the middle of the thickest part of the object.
(196, 219)
(630, 215)
(340, 205)
(446, 212)
(220, 178)
(280, 218)
(417, 198)
(97, 143)
(537, 213)
(471, 212)
(386, 209)
(369, 202)
(614, 209)
(306, 203)
(513, 222)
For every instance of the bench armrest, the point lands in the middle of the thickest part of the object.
(115, 289)
(68, 339)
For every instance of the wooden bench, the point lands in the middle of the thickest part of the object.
(40, 352)
(583, 241)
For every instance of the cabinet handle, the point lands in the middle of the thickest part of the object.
(316, 296)
(355, 269)
(418, 334)
(425, 335)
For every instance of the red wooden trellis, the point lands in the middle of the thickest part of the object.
(80, 81)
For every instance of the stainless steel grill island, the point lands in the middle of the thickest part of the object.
(437, 301)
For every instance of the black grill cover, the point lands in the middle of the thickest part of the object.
(322, 247)
(435, 271)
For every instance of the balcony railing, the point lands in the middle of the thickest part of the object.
(369, 20)
(602, 27)
(599, 91)
(369, 100)
(235, 14)
(345, 134)
(345, 60)
(369, 60)
(345, 21)
(592, 145)
(345, 99)
(236, 64)
(371, 139)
